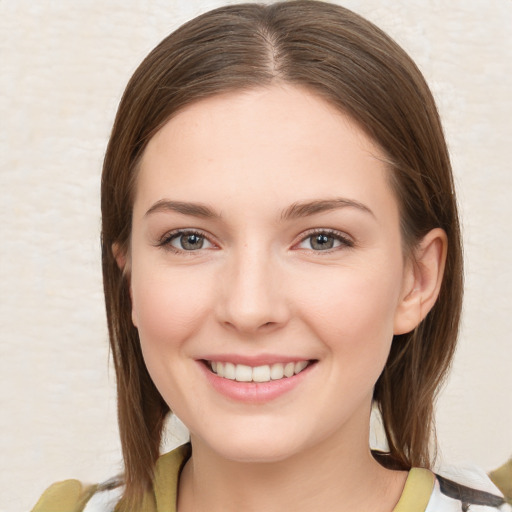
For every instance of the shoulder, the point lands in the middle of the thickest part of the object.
(74, 496)
(66, 496)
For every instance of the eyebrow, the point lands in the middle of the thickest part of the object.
(305, 209)
(193, 209)
(294, 211)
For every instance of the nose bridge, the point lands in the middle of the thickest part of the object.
(253, 297)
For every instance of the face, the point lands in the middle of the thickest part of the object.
(267, 272)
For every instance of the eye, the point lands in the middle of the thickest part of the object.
(325, 240)
(185, 241)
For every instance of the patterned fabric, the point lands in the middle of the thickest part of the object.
(449, 496)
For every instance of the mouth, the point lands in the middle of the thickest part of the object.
(262, 373)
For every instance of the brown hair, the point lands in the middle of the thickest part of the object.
(357, 68)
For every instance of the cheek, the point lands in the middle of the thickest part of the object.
(168, 311)
(353, 312)
(166, 306)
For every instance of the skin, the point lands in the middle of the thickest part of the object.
(258, 288)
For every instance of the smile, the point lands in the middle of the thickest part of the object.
(264, 373)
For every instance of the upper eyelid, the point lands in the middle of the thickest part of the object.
(180, 231)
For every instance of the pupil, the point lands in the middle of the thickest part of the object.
(323, 242)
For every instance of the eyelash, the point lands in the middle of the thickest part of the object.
(165, 241)
(346, 242)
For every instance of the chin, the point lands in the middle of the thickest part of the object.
(255, 453)
(253, 445)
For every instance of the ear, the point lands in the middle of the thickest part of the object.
(422, 281)
(123, 262)
(120, 256)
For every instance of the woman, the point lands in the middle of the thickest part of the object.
(281, 250)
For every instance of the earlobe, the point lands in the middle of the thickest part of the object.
(422, 282)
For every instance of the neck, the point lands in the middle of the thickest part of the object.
(330, 476)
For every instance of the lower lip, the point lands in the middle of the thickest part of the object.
(254, 392)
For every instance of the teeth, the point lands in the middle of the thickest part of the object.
(300, 366)
(243, 373)
(264, 373)
(289, 369)
(229, 371)
(261, 373)
(277, 371)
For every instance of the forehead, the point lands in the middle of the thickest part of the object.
(280, 143)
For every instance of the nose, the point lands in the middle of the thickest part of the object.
(253, 297)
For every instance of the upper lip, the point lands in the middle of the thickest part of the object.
(257, 360)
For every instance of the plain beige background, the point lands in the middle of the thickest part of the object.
(63, 68)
